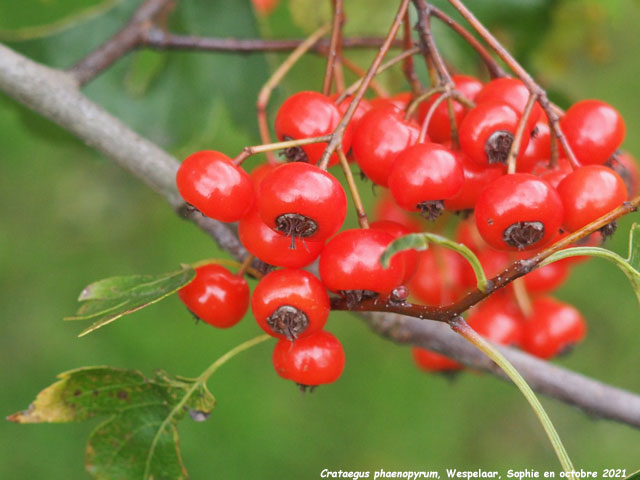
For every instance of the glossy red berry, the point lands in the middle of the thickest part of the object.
(546, 279)
(498, 319)
(398, 230)
(399, 101)
(476, 178)
(290, 304)
(211, 182)
(387, 209)
(274, 248)
(309, 114)
(381, 135)
(552, 327)
(423, 176)
(216, 296)
(594, 130)
(316, 359)
(439, 129)
(261, 171)
(588, 193)
(487, 132)
(553, 174)
(539, 147)
(301, 200)
(432, 361)
(351, 261)
(511, 91)
(519, 212)
(438, 277)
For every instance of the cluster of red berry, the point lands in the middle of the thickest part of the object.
(290, 214)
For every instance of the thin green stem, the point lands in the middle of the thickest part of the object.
(199, 382)
(462, 328)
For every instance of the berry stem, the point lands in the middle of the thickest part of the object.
(244, 267)
(336, 136)
(378, 89)
(408, 66)
(522, 297)
(363, 221)
(522, 74)
(415, 103)
(265, 92)
(432, 110)
(385, 66)
(200, 382)
(333, 57)
(462, 328)
(514, 150)
(495, 70)
(269, 147)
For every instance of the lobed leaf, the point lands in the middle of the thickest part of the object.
(109, 299)
(139, 437)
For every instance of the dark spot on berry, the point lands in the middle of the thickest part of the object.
(523, 234)
(608, 230)
(498, 146)
(354, 297)
(288, 321)
(534, 133)
(431, 209)
(295, 225)
(490, 221)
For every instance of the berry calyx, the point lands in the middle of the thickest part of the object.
(316, 359)
(300, 200)
(216, 296)
(487, 132)
(274, 248)
(290, 304)
(518, 212)
(213, 184)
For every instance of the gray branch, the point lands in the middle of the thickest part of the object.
(56, 96)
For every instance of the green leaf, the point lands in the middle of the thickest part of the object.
(630, 265)
(421, 241)
(111, 298)
(139, 437)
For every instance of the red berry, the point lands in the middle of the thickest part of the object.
(539, 148)
(439, 129)
(261, 171)
(216, 296)
(519, 212)
(306, 115)
(423, 176)
(498, 319)
(381, 134)
(290, 304)
(486, 133)
(588, 193)
(552, 327)
(211, 182)
(552, 174)
(511, 91)
(398, 230)
(476, 178)
(274, 248)
(400, 101)
(594, 130)
(387, 209)
(438, 276)
(546, 279)
(363, 107)
(301, 200)
(351, 261)
(432, 361)
(492, 261)
(316, 359)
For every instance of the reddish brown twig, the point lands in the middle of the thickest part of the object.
(335, 47)
(407, 66)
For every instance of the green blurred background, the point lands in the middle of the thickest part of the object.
(69, 217)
